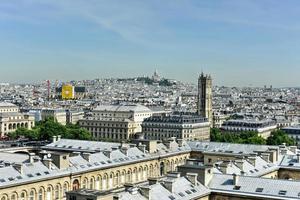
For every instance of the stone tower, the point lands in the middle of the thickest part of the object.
(204, 104)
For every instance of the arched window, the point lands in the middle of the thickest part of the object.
(99, 183)
(134, 175)
(65, 189)
(3, 198)
(41, 194)
(104, 182)
(32, 195)
(22, 196)
(92, 183)
(49, 193)
(162, 168)
(84, 183)
(75, 185)
(128, 176)
(56, 193)
(13, 197)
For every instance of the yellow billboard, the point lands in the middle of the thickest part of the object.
(67, 91)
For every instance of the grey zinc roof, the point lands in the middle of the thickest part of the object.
(30, 171)
(13, 157)
(182, 189)
(248, 186)
(229, 147)
(74, 145)
(123, 108)
(290, 161)
(7, 104)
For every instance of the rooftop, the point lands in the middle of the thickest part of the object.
(123, 108)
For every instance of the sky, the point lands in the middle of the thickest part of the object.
(238, 42)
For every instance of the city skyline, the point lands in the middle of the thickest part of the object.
(241, 43)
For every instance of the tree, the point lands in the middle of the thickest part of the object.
(278, 137)
(246, 137)
(48, 128)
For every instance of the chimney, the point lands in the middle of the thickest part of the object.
(18, 167)
(284, 144)
(283, 151)
(169, 185)
(58, 137)
(192, 177)
(293, 149)
(75, 153)
(145, 191)
(240, 164)
(152, 181)
(54, 138)
(47, 162)
(142, 148)
(43, 154)
(252, 160)
(31, 157)
(180, 142)
(223, 166)
(168, 144)
(86, 156)
(235, 179)
(298, 157)
(36, 159)
(107, 153)
(173, 174)
(265, 156)
(253, 154)
(133, 190)
(124, 150)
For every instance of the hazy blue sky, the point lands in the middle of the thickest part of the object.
(240, 42)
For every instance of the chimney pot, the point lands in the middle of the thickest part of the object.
(235, 179)
(54, 138)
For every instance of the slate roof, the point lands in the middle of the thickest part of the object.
(222, 147)
(271, 188)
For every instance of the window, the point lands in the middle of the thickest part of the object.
(181, 194)
(57, 192)
(188, 192)
(282, 192)
(22, 196)
(259, 189)
(31, 195)
(40, 195)
(171, 197)
(65, 189)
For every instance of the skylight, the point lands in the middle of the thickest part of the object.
(181, 194)
(282, 192)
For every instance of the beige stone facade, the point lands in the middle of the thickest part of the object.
(11, 119)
